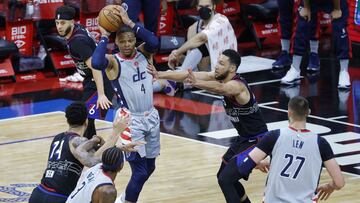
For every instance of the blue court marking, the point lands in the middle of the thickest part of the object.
(33, 108)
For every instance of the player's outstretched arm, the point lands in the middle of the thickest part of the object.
(151, 41)
(104, 194)
(120, 123)
(179, 76)
(231, 88)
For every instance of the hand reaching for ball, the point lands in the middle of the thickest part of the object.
(104, 32)
(124, 17)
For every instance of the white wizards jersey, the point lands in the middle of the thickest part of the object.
(133, 85)
(87, 183)
(295, 167)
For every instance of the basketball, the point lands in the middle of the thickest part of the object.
(109, 18)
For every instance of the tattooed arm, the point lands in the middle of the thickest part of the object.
(80, 147)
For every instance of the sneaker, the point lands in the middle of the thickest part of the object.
(76, 77)
(171, 88)
(283, 60)
(314, 62)
(344, 80)
(292, 77)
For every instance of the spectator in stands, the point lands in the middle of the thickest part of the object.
(206, 39)
(339, 12)
(287, 14)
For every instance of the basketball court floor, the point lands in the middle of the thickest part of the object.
(195, 133)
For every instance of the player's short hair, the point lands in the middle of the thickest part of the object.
(112, 159)
(299, 106)
(124, 29)
(234, 57)
(65, 13)
(76, 114)
(196, 2)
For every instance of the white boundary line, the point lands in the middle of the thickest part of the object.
(33, 115)
(264, 82)
(311, 116)
(205, 93)
(338, 117)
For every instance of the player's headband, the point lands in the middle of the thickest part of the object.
(64, 16)
(65, 13)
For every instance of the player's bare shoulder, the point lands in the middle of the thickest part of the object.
(76, 141)
(105, 193)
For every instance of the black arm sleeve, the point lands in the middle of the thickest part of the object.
(325, 149)
(267, 143)
(81, 49)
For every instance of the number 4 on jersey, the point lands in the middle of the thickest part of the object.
(143, 88)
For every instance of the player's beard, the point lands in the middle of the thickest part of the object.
(222, 76)
(68, 29)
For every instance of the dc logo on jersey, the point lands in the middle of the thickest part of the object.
(139, 76)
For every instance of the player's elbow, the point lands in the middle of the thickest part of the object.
(202, 37)
(152, 44)
(99, 64)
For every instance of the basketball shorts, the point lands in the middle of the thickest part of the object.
(145, 127)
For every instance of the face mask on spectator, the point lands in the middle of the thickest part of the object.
(205, 13)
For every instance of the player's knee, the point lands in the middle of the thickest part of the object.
(223, 179)
(140, 178)
(151, 169)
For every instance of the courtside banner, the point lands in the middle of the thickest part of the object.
(166, 21)
(48, 7)
(90, 22)
(266, 29)
(6, 69)
(21, 33)
(62, 59)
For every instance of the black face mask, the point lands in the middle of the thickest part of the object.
(205, 13)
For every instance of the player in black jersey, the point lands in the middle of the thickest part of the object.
(240, 105)
(81, 46)
(70, 152)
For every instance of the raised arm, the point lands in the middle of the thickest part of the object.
(151, 42)
(81, 148)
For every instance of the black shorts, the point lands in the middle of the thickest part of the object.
(40, 195)
(90, 95)
(240, 145)
(89, 88)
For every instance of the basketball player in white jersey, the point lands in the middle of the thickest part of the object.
(127, 71)
(97, 184)
(297, 155)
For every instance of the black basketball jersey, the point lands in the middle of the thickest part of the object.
(81, 46)
(247, 119)
(63, 169)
